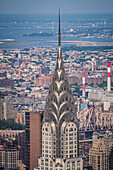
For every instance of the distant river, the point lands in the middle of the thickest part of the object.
(13, 27)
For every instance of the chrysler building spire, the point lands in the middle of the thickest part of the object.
(59, 41)
(60, 123)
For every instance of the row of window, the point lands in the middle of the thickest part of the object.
(58, 165)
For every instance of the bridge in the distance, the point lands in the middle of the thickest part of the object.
(92, 119)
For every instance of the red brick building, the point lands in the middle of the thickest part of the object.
(32, 139)
(44, 80)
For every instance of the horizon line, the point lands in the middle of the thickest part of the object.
(61, 13)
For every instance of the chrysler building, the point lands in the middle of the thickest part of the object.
(60, 130)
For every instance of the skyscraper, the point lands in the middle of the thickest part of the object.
(32, 139)
(60, 124)
(100, 153)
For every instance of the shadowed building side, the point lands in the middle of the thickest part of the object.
(32, 139)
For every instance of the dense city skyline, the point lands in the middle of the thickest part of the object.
(56, 101)
(51, 6)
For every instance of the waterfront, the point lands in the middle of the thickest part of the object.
(17, 31)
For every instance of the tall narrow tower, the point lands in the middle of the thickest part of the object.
(60, 123)
(83, 84)
(109, 78)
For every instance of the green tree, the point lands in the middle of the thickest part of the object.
(11, 124)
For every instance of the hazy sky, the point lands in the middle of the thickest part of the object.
(51, 6)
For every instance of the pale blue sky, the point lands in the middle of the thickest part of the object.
(51, 6)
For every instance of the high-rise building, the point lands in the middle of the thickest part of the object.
(21, 117)
(2, 156)
(99, 153)
(111, 159)
(16, 136)
(32, 139)
(6, 109)
(84, 146)
(9, 157)
(60, 148)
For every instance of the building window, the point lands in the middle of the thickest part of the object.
(71, 137)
